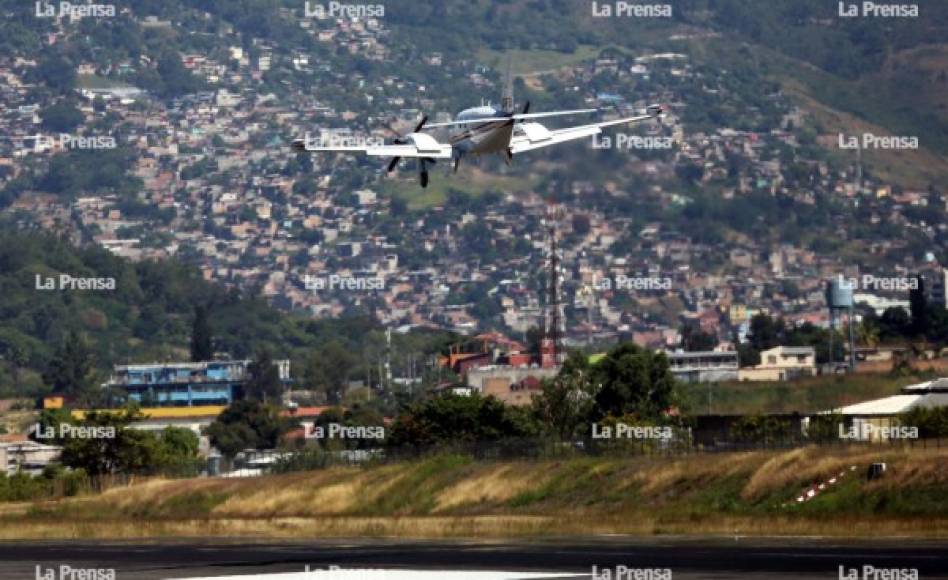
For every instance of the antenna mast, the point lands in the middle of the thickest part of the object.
(507, 99)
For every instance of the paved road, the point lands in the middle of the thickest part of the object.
(686, 558)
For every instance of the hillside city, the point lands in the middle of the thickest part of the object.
(219, 188)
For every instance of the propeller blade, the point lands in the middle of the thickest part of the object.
(526, 108)
(424, 179)
(421, 124)
(457, 163)
(392, 164)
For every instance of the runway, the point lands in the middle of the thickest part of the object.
(598, 558)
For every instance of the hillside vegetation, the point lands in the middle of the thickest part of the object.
(149, 314)
(453, 496)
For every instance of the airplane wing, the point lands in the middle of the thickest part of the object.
(418, 145)
(536, 136)
(515, 117)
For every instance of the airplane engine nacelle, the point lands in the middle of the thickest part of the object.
(535, 132)
(425, 143)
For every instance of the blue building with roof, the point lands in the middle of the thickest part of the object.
(186, 384)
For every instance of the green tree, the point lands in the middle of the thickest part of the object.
(264, 384)
(115, 448)
(70, 372)
(61, 117)
(631, 380)
(247, 425)
(328, 370)
(695, 339)
(930, 422)
(765, 332)
(458, 418)
(55, 72)
(202, 348)
(918, 306)
(566, 402)
(178, 452)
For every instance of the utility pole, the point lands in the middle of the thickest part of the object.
(550, 346)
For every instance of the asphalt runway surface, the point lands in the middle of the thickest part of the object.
(685, 558)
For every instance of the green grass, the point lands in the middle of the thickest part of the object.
(419, 198)
(803, 396)
(749, 493)
(417, 491)
(525, 62)
(97, 82)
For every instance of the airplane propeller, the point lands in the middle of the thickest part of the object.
(400, 140)
(423, 169)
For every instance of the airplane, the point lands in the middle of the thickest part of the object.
(484, 130)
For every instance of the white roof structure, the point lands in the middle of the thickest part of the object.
(927, 395)
(382, 574)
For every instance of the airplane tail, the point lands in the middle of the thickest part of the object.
(507, 98)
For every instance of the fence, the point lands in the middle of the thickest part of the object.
(681, 444)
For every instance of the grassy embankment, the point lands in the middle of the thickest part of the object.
(450, 496)
(809, 395)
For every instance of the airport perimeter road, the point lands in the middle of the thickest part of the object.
(684, 558)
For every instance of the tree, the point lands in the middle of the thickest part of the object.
(117, 450)
(247, 425)
(631, 380)
(176, 80)
(178, 452)
(61, 117)
(201, 336)
(918, 306)
(566, 402)
(894, 323)
(328, 370)
(115, 447)
(70, 370)
(56, 72)
(765, 332)
(458, 418)
(695, 339)
(264, 383)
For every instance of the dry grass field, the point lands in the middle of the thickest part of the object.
(452, 496)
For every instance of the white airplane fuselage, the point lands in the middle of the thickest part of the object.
(480, 138)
